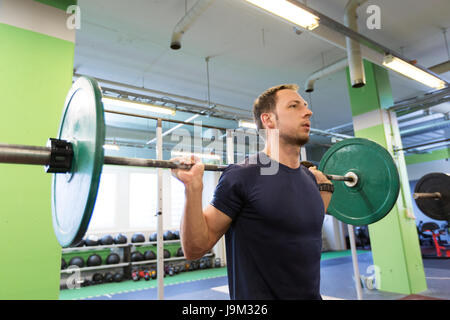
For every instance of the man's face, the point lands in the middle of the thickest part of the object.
(293, 118)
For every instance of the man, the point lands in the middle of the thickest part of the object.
(273, 222)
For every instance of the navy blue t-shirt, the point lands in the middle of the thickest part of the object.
(274, 242)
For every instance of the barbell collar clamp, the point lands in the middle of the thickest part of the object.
(61, 156)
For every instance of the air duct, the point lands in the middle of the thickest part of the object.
(186, 22)
(355, 62)
(309, 84)
(336, 34)
(426, 128)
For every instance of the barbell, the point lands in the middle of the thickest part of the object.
(366, 178)
(432, 195)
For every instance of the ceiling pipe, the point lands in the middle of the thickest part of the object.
(355, 62)
(309, 84)
(426, 128)
(187, 21)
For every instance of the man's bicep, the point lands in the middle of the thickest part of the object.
(218, 223)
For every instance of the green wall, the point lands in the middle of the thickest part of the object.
(36, 73)
(425, 157)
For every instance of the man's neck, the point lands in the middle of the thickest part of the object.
(287, 155)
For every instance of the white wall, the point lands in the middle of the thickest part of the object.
(418, 170)
(120, 198)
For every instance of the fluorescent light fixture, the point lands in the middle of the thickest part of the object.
(412, 72)
(247, 124)
(111, 147)
(123, 103)
(200, 155)
(288, 11)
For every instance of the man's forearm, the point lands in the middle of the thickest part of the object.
(326, 198)
(194, 230)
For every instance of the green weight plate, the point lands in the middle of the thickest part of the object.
(74, 194)
(376, 192)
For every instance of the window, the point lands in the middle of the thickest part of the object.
(103, 216)
(177, 199)
(143, 200)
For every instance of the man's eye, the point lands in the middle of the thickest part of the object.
(292, 106)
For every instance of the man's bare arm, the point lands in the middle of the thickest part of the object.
(200, 229)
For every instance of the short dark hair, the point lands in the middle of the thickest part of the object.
(267, 101)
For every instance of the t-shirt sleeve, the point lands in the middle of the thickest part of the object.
(228, 196)
(311, 175)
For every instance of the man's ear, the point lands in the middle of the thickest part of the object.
(268, 120)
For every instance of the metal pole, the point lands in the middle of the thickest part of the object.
(351, 235)
(303, 156)
(230, 146)
(424, 195)
(338, 178)
(19, 154)
(151, 163)
(160, 243)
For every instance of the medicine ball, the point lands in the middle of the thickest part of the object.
(153, 236)
(112, 258)
(137, 256)
(77, 261)
(168, 235)
(176, 235)
(118, 277)
(94, 260)
(149, 255)
(97, 278)
(138, 237)
(91, 241)
(120, 239)
(109, 277)
(106, 240)
(180, 252)
(166, 254)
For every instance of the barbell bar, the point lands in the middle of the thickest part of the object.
(427, 195)
(369, 188)
(35, 155)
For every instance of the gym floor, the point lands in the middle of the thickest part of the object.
(211, 284)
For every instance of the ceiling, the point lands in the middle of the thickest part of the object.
(128, 42)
